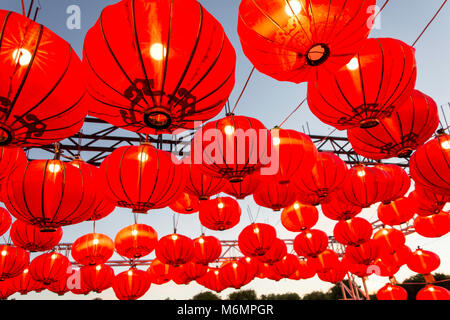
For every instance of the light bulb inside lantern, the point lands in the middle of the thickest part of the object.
(98, 268)
(216, 272)
(220, 205)
(54, 256)
(23, 56)
(276, 141)
(201, 241)
(431, 289)
(296, 206)
(353, 64)
(25, 271)
(384, 232)
(309, 235)
(54, 167)
(158, 51)
(130, 273)
(256, 230)
(389, 288)
(419, 252)
(174, 237)
(4, 253)
(361, 173)
(293, 8)
(143, 157)
(95, 241)
(445, 145)
(248, 259)
(229, 130)
(235, 265)
(134, 232)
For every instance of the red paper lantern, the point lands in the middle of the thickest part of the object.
(277, 251)
(365, 186)
(370, 87)
(256, 239)
(365, 253)
(273, 195)
(150, 71)
(232, 147)
(433, 226)
(142, 177)
(304, 271)
(353, 232)
(220, 214)
(324, 261)
(252, 265)
(427, 201)
(287, 40)
(271, 274)
(337, 208)
(234, 274)
(407, 128)
(81, 288)
(185, 204)
(287, 266)
(103, 207)
(392, 292)
(6, 289)
(37, 112)
(359, 270)
(92, 249)
(399, 182)
(97, 278)
(429, 165)
(327, 174)
(212, 280)
(334, 275)
(30, 238)
(423, 261)
(240, 190)
(399, 257)
(10, 159)
(188, 272)
(299, 217)
(175, 249)
(310, 243)
(431, 292)
(136, 241)
(49, 267)
(131, 284)
(200, 184)
(159, 272)
(24, 283)
(396, 212)
(12, 261)
(385, 266)
(5, 221)
(59, 287)
(207, 249)
(389, 240)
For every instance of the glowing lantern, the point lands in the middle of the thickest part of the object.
(324, 261)
(60, 287)
(240, 190)
(392, 292)
(212, 280)
(12, 261)
(397, 258)
(175, 249)
(97, 278)
(6, 289)
(131, 284)
(423, 261)
(188, 272)
(310, 243)
(431, 292)
(201, 184)
(136, 241)
(334, 275)
(396, 212)
(428, 201)
(299, 217)
(252, 265)
(399, 182)
(353, 232)
(365, 253)
(49, 267)
(10, 159)
(304, 270)
(256, 239)
(273, 195)
(385, 266)
(337, 208)
(389, 239)
(185, 204)
(159, 272)
(24, 283)
(92, 249)
(30, 238)
(207, 249)
(277, 251)
(234, 274)
(5, 220)
(433, 226)
(287, 266)
(220, 214)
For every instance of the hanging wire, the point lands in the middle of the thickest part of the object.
(243, 89)
(23, 7)
(381, 9)
(30, 8)
(429, 23)
(290, 115)
(250, 216)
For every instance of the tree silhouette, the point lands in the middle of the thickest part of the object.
(243, 295)
(207, 295)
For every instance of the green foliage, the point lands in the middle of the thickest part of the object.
(208, 295)
(243, 295)
(283, 296)
(317, 295)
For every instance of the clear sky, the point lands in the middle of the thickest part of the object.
(270, 101)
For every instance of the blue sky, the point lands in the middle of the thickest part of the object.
(270, 101)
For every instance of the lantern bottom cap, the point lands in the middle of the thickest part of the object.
(317, 54)
(5, 136)
(158, 118)
(368, 123)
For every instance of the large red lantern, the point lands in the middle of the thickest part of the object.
(12, 261)
(6, 289)
(150, 71)
(389, 240)
(337, 208)
(252, 265)
(299, 217)
(175, 249)
(397, 258)
(10, 159)
(30, 238)
(287, 40)
(232, 147)
(273, 195)
(212, 280)
(407, 128)
(207, 249)
(256, 239)
(277, 251)
(365, 186)
(385, 266)
(397, 212)
(392, 292)
(304, 271)
(370, 87)
(220, 214)
(327, 174)
(49, 194)
(310, 243)
(97, 278)
(431, 292)
(324, 261)
(92, 249)
(200, 184)
(399, 182)
(334, 275)
(136, 241)
(49, 267)
(24, 283)
(185, 204)
(353, 232)
(188, 272)
(234, 274)
(159, 272)
(131, 284)
(142, 177)
(240, 190)
(60, 287)
(287, 266)
(36, 112)
(429, 165)
(428, 201)
(365, 253)
(5, 221)
(433, 226)
(423, 261)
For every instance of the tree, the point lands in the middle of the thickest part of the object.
(243, 295)
(208, 295)
(413, 289)
(317, 295)
(283, 296)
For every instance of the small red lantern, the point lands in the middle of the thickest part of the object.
(423, 261)
(392, 292)
(429, 165)
(396, 212)
(49, 267)
(310, 243)
(142, 177)
(207, 249)
(81, 288)
(189, 272)
(433, 226)
(304, 271)
(370, 87)
(256, 239)
(30, 238)
(49, 194)
(97, 278)
(353, 232)
(175, 249)
(59, 287)
(334, 275)
(232, 147)
(365, 253)
(299, 217)
(212, 280)
(185, 204)
(427, 201)
(273, 195)
(201, 184)
(136, 241)
(277, 251)
(389, 239)
(399, 257)
(287, 266)
(6, 289)
(10, 159)
(5, 221)
(220, 214)
(324, 261)
(431, 292)
(252, 265)
(385, 266)
(234, 274)
(327, 174)
(24, 283)
(399, 182)
(12, 261)
(131, 284)
(92, 249)
(337, 208)
(159, 272)
(410, 126)
(240, 190)
(37, 112)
